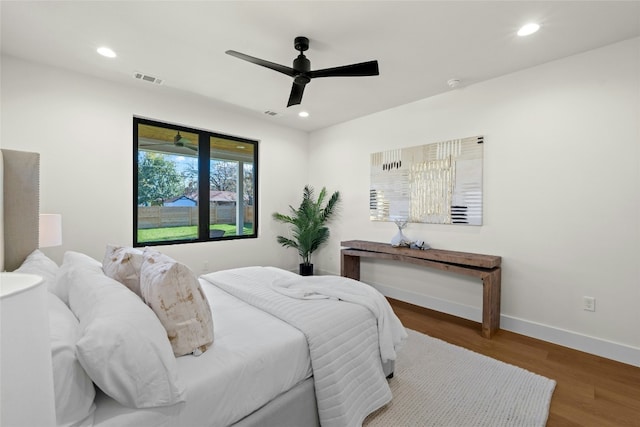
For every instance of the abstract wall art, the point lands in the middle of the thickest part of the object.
(439, 183)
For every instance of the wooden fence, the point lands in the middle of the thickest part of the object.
(178, 216)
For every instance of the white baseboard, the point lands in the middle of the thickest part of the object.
(610, 350)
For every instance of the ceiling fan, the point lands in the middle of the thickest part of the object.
(181, 141)
(178, 141)
(302, 73)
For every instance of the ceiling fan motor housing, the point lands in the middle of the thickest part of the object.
(301, 64)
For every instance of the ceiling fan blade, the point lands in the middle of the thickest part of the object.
(157, 144)
(271, 65)
(369, 68)
(169, 148)
(296, 94)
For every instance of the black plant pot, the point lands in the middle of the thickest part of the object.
(306, 269)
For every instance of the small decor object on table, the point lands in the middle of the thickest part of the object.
(308, 225)
(420, 244)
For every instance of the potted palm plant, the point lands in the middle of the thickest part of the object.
(308, 225)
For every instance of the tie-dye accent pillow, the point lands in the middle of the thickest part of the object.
(173, 292)
(123, 264)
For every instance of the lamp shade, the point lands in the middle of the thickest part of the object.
(26, 375)
(50, 230)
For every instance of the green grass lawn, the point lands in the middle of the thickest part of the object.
(185, 233)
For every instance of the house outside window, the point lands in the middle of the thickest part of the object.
(192, 185)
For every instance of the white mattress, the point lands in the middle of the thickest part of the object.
(254, 358)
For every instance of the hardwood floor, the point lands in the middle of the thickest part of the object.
(590, 390)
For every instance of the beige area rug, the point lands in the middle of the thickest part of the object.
(439, 384)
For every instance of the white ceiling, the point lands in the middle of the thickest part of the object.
(419, 46)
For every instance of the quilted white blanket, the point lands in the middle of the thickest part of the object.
(391, 333)
(343, 342)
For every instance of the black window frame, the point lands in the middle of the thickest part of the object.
(204, 158)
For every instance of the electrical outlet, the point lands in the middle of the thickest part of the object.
(589, 303)
(205, 267)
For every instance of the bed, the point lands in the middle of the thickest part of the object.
(286, 350)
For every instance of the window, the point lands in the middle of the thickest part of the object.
(191, 185)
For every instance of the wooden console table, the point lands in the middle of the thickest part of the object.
(485, 267)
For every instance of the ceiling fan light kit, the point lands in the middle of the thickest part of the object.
(301, 69)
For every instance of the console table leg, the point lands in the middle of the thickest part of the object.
(491, 303)
(350, 266)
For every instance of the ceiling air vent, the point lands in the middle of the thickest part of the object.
(147, 78)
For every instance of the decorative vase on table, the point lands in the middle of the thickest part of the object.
(400, 239)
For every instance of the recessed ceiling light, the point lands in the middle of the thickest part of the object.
(105, 51)
(528, 29)
(303, 114)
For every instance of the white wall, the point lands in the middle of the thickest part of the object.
(561, 197)
(82, 128)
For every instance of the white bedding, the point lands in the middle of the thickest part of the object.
(228, 381)
(342, 336)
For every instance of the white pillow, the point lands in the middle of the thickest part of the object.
(71, 260)
(123, 346)
(174, 293)
(41, 265)
(123, 264)
(74, 391)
